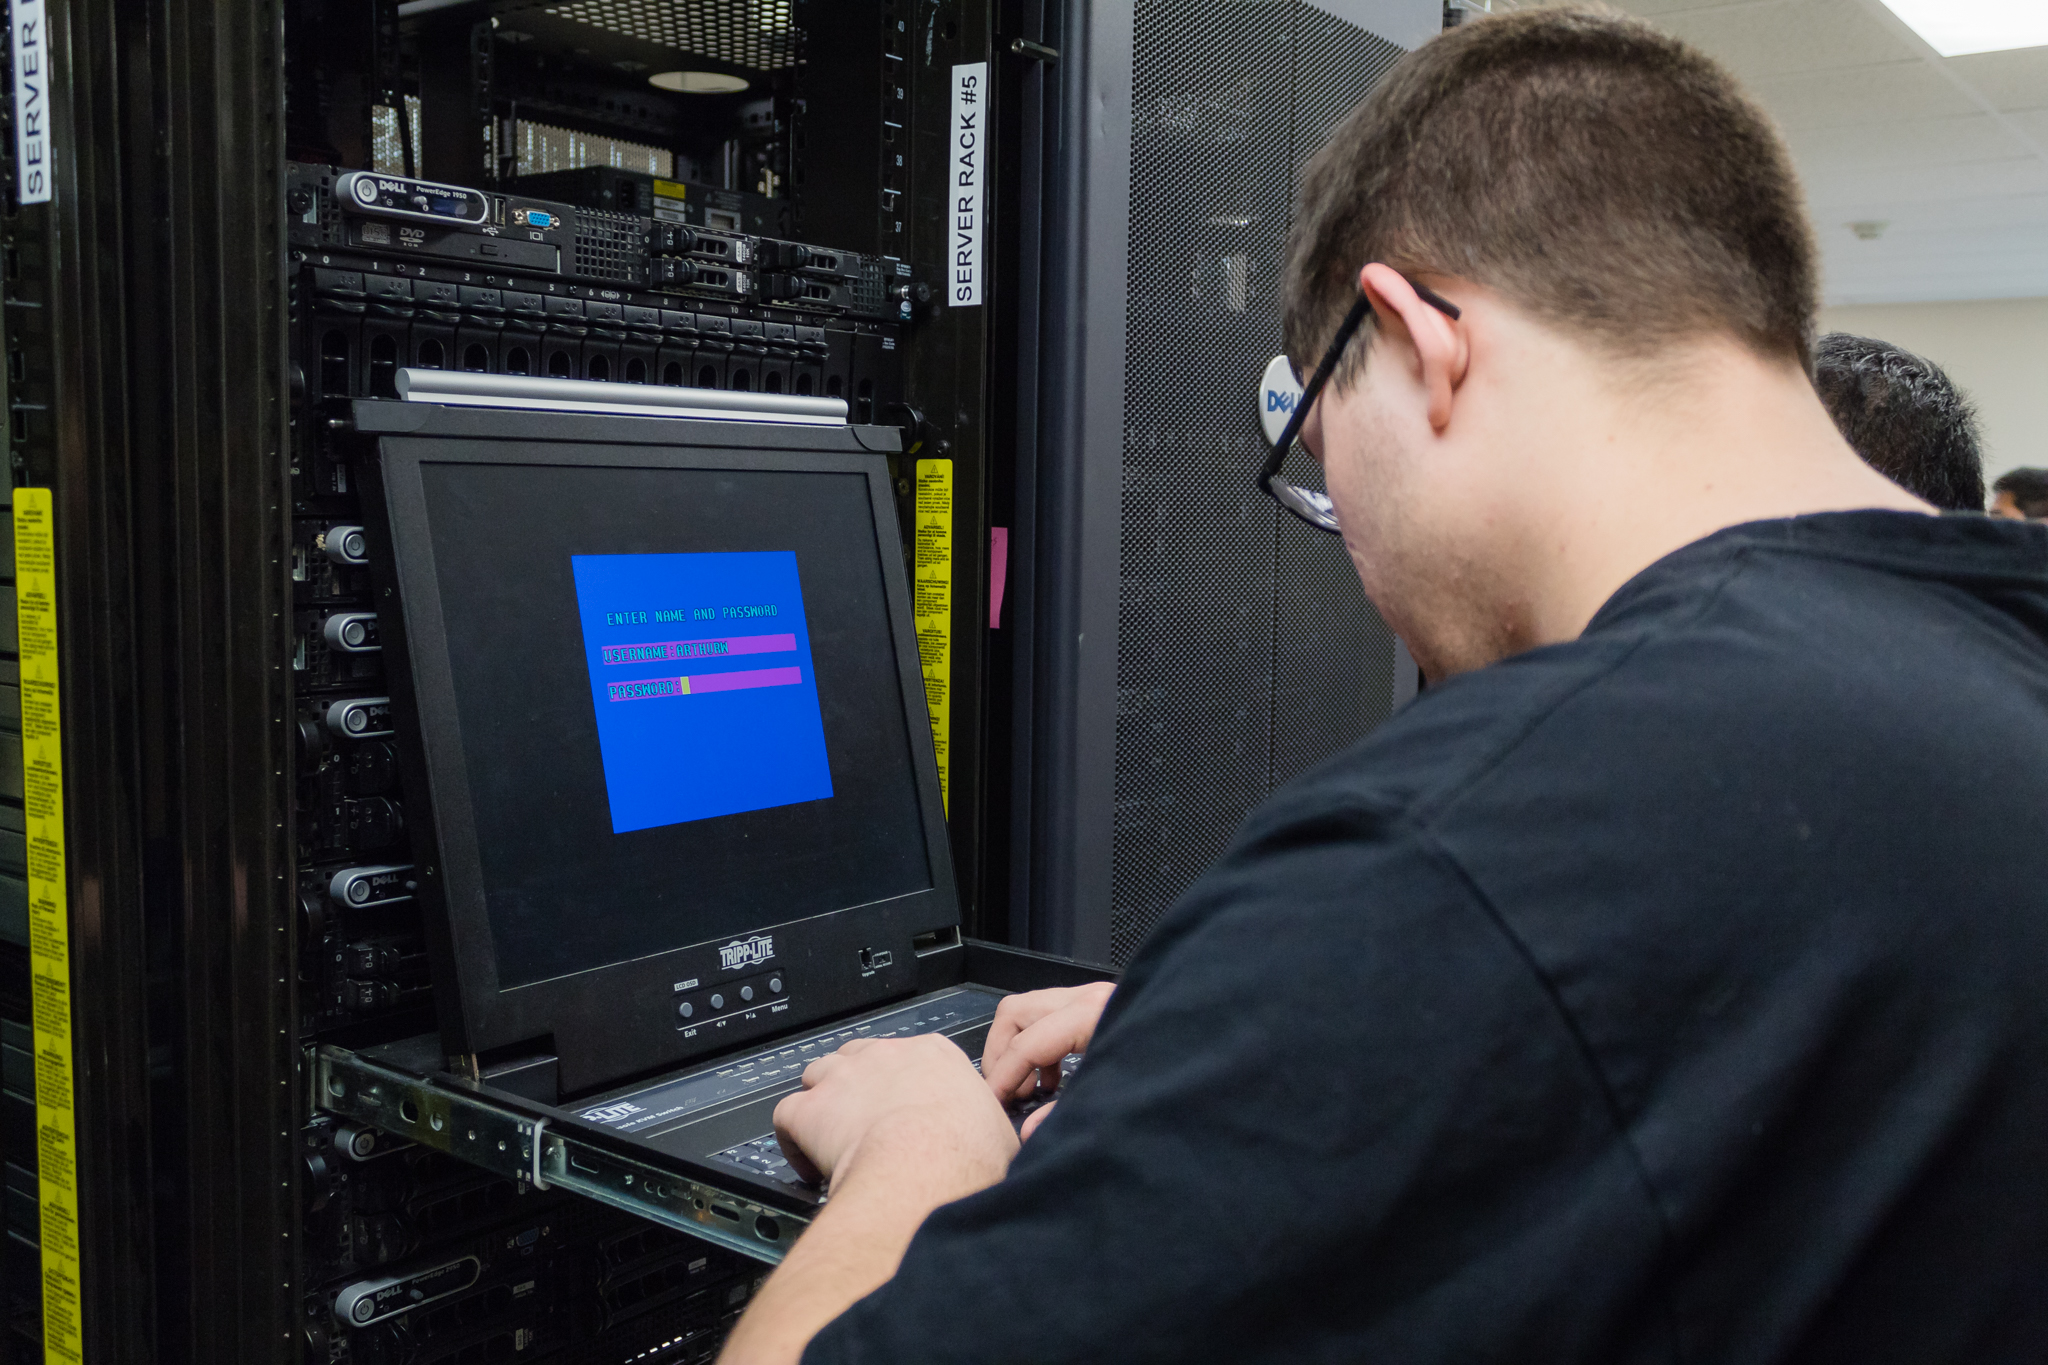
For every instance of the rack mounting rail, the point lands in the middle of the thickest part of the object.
(406, 1089)
(501, 1133)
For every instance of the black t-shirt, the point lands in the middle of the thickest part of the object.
(1679, 993)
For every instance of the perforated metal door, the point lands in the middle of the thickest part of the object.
(1333, 658)
(760, 34)
(1246, 650)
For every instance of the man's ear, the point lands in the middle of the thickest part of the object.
(1442, 350)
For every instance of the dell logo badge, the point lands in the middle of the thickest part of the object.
(746, 952)
(1278, 393)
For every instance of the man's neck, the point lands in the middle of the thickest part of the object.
(1629, 473)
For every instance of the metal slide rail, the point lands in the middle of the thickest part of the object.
(447, 1117)
(460, 388)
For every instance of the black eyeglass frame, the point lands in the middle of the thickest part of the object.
(1316, 508)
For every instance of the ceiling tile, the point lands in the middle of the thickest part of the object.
(1860, 94)
(1797, 35)
(1937, 218)
(1969, 247)
(2010, 80)
(2033, 123)
(1934, 259)
(1881, 132)
(1883, 146)
(1830, 187)
(2017, 279)
(1653, 8)
(1926, 286)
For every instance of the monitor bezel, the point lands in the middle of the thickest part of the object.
(614, 1021)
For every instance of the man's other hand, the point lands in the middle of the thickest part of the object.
(1032, 1032)
(898, 1126)
(897, 1092)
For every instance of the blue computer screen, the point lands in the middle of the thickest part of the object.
(701, 676)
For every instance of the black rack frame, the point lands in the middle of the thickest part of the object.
(149, 386)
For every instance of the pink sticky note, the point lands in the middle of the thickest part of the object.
(998, 573)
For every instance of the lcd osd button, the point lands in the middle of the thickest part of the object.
(346, 545)
(360, 717)
(354, 632)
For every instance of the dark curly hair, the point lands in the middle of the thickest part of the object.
(1904, 417)
(2029, 489)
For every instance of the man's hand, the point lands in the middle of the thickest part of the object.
(1032, 1032)
(880, 1085)
(899, 1126)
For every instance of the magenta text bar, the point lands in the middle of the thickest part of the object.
(661, 651)
(753, 677)
(648, 688)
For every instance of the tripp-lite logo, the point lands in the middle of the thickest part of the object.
(746, 952)
(612, 1113)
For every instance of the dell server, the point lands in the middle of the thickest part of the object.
(509, 232)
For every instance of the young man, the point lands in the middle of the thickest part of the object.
(1904, 417)
(1666, 982)
(2021, 495)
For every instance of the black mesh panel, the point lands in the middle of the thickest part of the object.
(1333, 658)
(1246, 650)
(751, 33)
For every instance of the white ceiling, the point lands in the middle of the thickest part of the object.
(1950, 153)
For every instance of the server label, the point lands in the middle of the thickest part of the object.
(33, 153)
(969, 148)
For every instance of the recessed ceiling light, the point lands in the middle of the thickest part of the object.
(1956, 28)
(697, 82)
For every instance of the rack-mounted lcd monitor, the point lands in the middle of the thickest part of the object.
(674, 771)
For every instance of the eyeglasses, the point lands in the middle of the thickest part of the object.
(1312, 507)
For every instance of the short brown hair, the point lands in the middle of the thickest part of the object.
(1604, 176)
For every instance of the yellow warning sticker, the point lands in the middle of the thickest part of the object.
(670, 189)
(931, 592)
(42, 782)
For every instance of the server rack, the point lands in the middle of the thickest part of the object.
(1189, 648)
(159, 386)
(144, 332)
